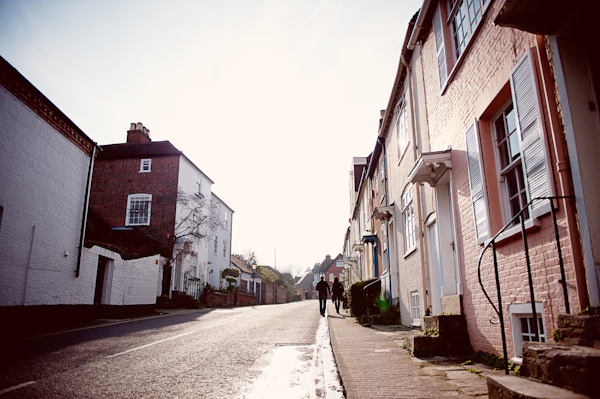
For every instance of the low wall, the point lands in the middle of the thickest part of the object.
(244, 298)
(273, 293)
(216, 298)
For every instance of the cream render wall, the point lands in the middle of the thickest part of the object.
(43, 177)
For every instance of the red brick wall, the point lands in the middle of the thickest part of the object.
(272, 293)
(114, 180)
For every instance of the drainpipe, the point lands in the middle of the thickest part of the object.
(85, 211)
(387, 225)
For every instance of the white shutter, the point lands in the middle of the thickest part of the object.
(529, 125)
(476, 184)
(438, 29)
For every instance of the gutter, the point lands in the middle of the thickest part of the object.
(414, 37)
(86, 206)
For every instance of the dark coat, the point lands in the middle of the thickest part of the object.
(337, 290)
(322, 288)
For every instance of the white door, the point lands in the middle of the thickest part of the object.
(435, 275)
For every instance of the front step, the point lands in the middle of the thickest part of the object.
(513, 387)
(576, 368)
(578, 330)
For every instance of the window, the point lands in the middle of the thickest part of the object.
(138, 210)
(216, 245)
(146, 165)
(376, 182)
(339, 264)
(199, 188)
(331, 277)
(401, 128)
(508, 152)
(408, 220)
(224, 248)
(522, 325)
(225, 219)
(218, 212)
(521, 158)
(383, 237)
(416, 311)
(463, 19)
(465, 15)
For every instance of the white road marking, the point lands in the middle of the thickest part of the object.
(15, 387)
(177, 336)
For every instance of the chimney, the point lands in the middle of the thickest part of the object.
(328, 257)
(381, 115)
(137, 133)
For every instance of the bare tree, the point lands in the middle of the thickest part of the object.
(195, 216)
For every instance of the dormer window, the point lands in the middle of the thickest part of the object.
(146, 165)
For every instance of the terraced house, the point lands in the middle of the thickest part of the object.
(477, 176)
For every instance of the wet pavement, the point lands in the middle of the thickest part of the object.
(373, 363)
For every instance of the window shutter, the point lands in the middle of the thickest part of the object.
(529, 123)
(438, 29)
(476, 184)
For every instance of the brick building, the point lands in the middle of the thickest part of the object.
(151, 189)
(477, 134)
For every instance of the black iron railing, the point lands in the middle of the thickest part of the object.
(492, 243)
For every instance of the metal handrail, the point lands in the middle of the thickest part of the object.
(492, 243)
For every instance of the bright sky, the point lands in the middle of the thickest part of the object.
(270, 98)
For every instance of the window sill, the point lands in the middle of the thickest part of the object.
(530, 224)
(513, 231)
(410, 252)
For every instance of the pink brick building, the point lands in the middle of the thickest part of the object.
(492, 109)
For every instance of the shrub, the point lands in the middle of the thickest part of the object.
(361, 300)
(230, 274)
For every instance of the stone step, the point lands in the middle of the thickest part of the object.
(576, 368)
(513, 387)
(578, 330)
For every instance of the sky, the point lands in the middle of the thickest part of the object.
(271, 99)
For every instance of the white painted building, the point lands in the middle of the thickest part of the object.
(219, 242)
(45, 169)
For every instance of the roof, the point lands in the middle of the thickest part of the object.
(138, 150)
(305, 281)
(240, 264)
(327, 263)
(130, 243)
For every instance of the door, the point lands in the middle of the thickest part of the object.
(435, 276)
(100, 278)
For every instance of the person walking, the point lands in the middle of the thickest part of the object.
(323, 289)
(337, 293)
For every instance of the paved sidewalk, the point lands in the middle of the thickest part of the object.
(373, 364)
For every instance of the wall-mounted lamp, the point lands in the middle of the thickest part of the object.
(66, 253)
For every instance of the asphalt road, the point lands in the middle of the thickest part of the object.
(262, 351)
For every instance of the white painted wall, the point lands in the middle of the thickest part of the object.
(189, 176)
(127, 282)
(42, 187)
(217, 261)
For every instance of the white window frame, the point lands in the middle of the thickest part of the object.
(225, 220)
(146, 165)
(216, 245)
(402, 128)
(331, 277)
(134, 198)
(224, 248)
(518, 311)
(415, 308)
(408, 220)
(383, 237)
(199, 185)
